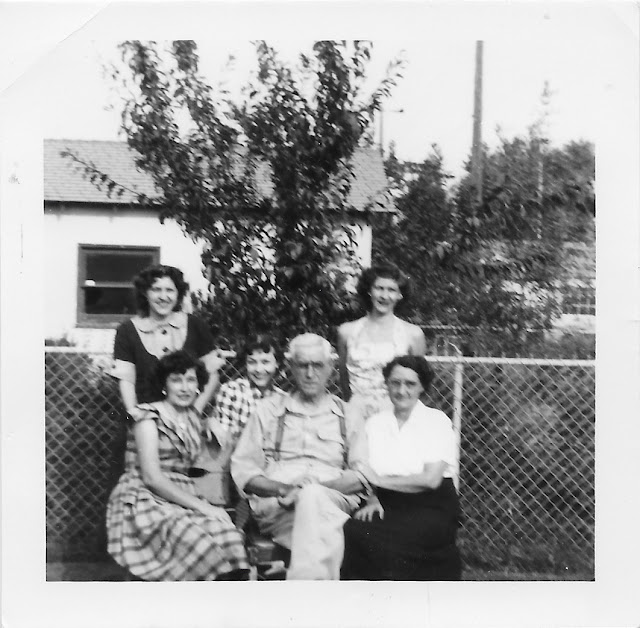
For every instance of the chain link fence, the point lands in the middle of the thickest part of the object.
(526, 455)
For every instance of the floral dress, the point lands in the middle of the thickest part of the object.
(365, 360)
(156, 539)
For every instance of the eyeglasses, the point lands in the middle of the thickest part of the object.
(303, 366)
(391, 383)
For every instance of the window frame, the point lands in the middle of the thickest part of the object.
(105, 321)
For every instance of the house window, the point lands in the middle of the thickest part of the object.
(106, 295)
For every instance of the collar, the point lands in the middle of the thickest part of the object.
(146, 324)
(417, 414)
(247, 384)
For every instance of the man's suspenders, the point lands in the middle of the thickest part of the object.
(280, 431)
(343, 433)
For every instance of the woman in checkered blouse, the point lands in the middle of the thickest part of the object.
(236, 400)
(157, 525)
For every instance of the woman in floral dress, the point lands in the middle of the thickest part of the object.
(368, 343)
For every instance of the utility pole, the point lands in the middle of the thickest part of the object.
(476, 148)
(382, 112)
(539, 136)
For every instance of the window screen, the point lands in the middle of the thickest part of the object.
(105, 273)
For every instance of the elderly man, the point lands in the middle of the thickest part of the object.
(293, 460)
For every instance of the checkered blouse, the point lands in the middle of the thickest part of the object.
(236, 401)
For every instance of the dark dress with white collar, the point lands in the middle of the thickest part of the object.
(129, 348)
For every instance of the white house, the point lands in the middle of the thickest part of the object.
(96, 244)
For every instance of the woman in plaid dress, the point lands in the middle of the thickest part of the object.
(157, 525)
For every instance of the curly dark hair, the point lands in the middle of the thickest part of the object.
(146, 278)
(384, 271)
(415, 363)
(180, 362)
(259, 342)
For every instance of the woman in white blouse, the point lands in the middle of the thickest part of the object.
(407, 528)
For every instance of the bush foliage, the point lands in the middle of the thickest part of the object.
(262, 179)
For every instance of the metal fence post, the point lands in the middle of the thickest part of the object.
(457, 410)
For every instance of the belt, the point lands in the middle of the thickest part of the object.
(191, 472)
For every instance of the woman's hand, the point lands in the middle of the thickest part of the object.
(214, 431)
(213, 361)
(215, 512)
(366, 513)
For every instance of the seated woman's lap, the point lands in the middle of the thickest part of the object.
(414, 541)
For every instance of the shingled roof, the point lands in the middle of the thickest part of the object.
(64, 181)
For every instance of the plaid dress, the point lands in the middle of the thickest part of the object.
(159, 540)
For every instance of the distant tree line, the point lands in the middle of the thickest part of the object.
(495, 267)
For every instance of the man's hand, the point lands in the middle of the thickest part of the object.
(288, 500)
(303, 480)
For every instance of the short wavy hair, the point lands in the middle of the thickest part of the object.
(313, 340)
(259, 342)
(147, 277)
(180, 362)
(415, 363)
(384, 271)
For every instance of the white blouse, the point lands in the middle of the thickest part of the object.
(426, 436)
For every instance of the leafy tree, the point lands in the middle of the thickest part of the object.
(262, 179)
(496, 266)
(412, 238)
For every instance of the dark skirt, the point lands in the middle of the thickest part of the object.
(416, 539)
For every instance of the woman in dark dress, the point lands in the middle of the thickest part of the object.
(160, 328)
(407, 529)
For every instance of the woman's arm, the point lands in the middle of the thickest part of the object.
(213, 362)
(128, 394)
(418, 344)
(430, 478)
(342, 362)
(347, 484)
(125, 365)
(146, 435)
